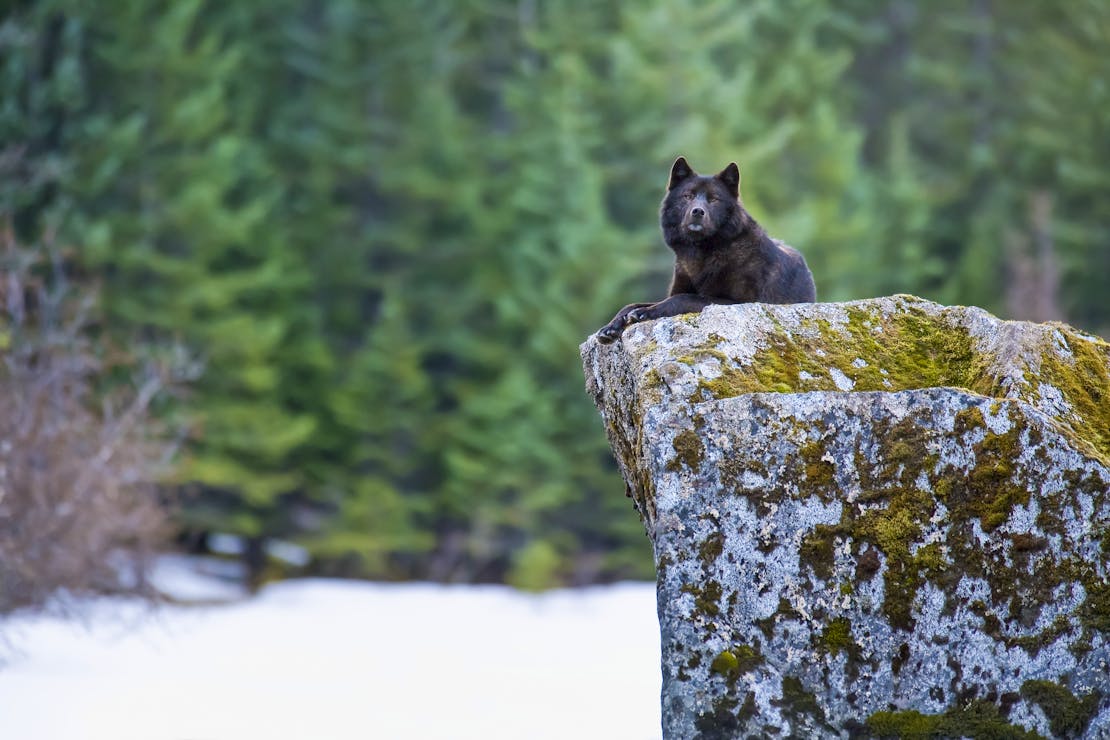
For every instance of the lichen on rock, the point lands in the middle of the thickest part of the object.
(876, 518)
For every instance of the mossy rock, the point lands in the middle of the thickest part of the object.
(902, 508)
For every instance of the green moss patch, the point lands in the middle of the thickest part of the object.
(710, 549)
(913, 348)
(891, 511)
(797, 704)
(981, 720)
(1084, 382)
(906, 350)
(706, 599)
(989, 491)
(819, 471)
(837, 638)
(725, 664)
(736, 661)
(1068, 716)
(818, 549)
(688, 451)
(893, 529)
(1095, 612)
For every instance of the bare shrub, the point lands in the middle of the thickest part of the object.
(79, 449)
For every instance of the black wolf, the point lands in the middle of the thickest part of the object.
(721, 254)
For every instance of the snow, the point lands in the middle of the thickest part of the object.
(338, 659)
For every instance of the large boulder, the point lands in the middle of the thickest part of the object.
(878, 518)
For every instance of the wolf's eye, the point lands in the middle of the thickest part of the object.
(711, 198)
(688, 196)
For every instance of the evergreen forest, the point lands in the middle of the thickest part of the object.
(363, 240)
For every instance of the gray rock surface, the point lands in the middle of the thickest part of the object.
(878, 518)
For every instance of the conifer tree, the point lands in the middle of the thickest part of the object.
(176, 195)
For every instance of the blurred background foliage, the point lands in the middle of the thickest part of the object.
(385, 227)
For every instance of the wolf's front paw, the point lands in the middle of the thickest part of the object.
(640, 314)
(609, 333)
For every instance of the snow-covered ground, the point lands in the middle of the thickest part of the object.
(322, 659)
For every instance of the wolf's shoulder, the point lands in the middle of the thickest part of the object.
(785, 248)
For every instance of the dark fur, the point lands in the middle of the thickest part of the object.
(721, 254)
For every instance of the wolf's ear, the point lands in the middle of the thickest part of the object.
(730, 176)
(680, 170)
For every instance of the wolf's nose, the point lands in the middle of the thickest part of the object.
(697, 212)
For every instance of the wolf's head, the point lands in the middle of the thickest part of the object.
(698, 208)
